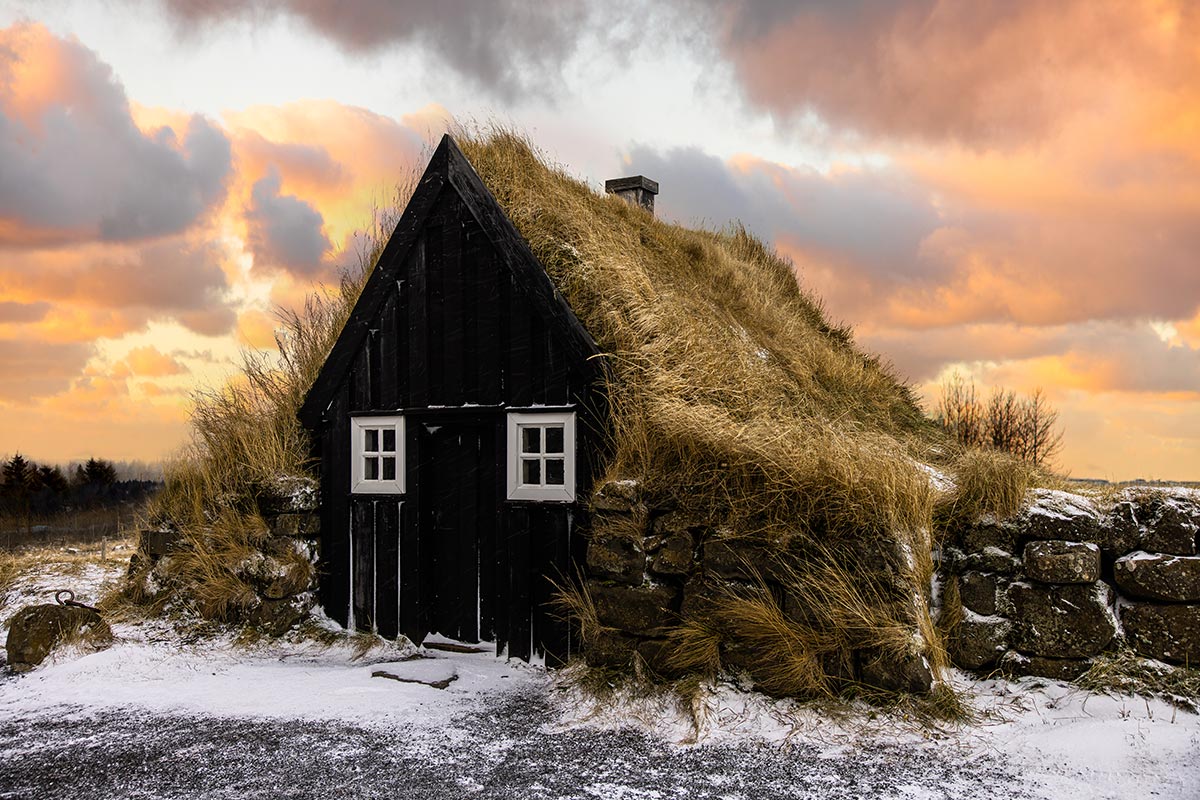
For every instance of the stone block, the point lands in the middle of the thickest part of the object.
(35, 631)
(1054, 514)
(1063, 621)
(158, 542)
(305, 525)
(1170, 525)
(1166, 632)
(739, 559)
(978, 640)
(909, 673)
(276, 617)
(988, 532)
(616, 558)
(1155, 576)
(1063, 669)
(674, 556)
(657, 655)
(1057, 561)
(991, 559)
(1119, 530)
(622, 495)
(634, 609)
(610, 649)
(978, 591)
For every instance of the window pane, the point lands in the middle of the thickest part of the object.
(554, 439)
(372, 441)
(371, 469)
(389, 469)
(389, 440)
(531, 471)
(554, 472)
(531, 440)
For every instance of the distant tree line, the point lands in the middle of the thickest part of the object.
(1025, 426)
(29, 489)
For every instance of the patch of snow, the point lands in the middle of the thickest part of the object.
(1057, 504)
(940, 481)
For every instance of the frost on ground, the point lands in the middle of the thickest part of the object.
(158, 716)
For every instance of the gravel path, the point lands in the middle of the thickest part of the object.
(507, 753)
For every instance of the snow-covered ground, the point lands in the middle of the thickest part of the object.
(157, 716)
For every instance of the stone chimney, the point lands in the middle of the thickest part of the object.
(638, 190)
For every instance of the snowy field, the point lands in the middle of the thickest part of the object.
(156, 716)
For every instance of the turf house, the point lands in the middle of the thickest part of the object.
(549, 405)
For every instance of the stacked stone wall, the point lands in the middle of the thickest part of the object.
(282, 574)
(1068, 578)
(649, 568)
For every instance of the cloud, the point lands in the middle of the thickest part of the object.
(149, 362)
(76, 167)
(507, 47)
(33, 369)
(285, 232)
(104, 290)
(22, 312)
(989, 72)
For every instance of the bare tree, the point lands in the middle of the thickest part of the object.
(1027, 427)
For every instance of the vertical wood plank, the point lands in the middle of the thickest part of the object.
(435, 278)
(360, 380)
(363, 514)
(452, 317)
(388, 375)
(417, 328)
(335, 511)
(467, 547)
(387, 555)
(492, 338)
(519, 376)
(373, 364)
(500, 567)
(520, 616)
(489, 505)
(554, 568)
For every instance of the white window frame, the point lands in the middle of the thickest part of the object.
(543, 492)
(359, 484)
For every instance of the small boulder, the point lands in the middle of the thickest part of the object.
(1166, 632)
(1065, 621)
(307, 525)
(738, 558)
(1057, 561)
(35, 631)
(1119, 530)
(1154, 576)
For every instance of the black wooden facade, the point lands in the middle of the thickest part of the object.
(458, 327)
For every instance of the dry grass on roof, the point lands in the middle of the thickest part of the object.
(731, 387)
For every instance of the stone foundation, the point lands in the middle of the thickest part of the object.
(1067, 579)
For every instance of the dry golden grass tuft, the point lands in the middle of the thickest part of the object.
(246, 436)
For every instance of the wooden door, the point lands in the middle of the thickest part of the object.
(457, 506)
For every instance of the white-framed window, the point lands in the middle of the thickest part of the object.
(541, 456)
(377, 455)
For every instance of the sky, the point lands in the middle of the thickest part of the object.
(1009, 191)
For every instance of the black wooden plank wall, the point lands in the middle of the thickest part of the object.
(455, 329)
